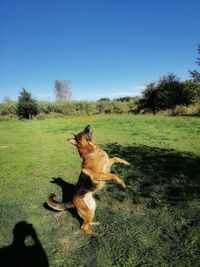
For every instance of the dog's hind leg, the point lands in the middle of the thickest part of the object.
(87, 220)
(86, 211)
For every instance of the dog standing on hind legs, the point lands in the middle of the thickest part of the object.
(95, 171)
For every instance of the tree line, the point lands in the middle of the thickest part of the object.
(31, 108)
(165, 94)
(169, 92)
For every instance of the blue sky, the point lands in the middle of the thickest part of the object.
(106, 48)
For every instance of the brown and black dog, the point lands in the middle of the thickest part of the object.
(95, 171)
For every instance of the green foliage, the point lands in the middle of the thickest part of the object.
(191, 91)
(126, 99)
(155, 98)
(78, 108)
(73, 108)
(105, 107)
(150, 99)
(168, 93)
(27, 106)
(111, 107)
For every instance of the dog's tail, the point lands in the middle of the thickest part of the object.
(58, 206)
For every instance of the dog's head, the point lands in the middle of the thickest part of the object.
(84, 141)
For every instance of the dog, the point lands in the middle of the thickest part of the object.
(95, 172)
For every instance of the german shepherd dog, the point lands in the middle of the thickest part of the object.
(95, 171)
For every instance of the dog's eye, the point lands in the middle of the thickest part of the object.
(78, 139)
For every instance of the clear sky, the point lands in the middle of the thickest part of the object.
(106, 48)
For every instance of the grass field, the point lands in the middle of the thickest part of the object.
(154, 222)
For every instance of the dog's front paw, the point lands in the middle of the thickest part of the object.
(125, 162)
(123, 185)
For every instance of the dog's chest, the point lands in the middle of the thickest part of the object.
(105, 165)
(89, 201)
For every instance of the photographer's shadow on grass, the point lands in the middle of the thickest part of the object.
(25, 250)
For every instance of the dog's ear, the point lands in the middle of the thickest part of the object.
(72, 141)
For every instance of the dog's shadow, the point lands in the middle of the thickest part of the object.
(67, 195)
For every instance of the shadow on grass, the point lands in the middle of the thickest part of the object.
(25, 250)
(159, 236)
(157, 173)
(67, 195)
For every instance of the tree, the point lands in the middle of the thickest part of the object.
(167, 93)
(103, 99)
(149, 99)
(194, 73)
(63, 90)
(191, 91)
(123, 99)
(27, 106)
(170, 91)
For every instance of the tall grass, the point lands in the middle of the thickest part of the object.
(74, 108)
(49, 109)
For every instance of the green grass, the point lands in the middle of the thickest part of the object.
(154, 222)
